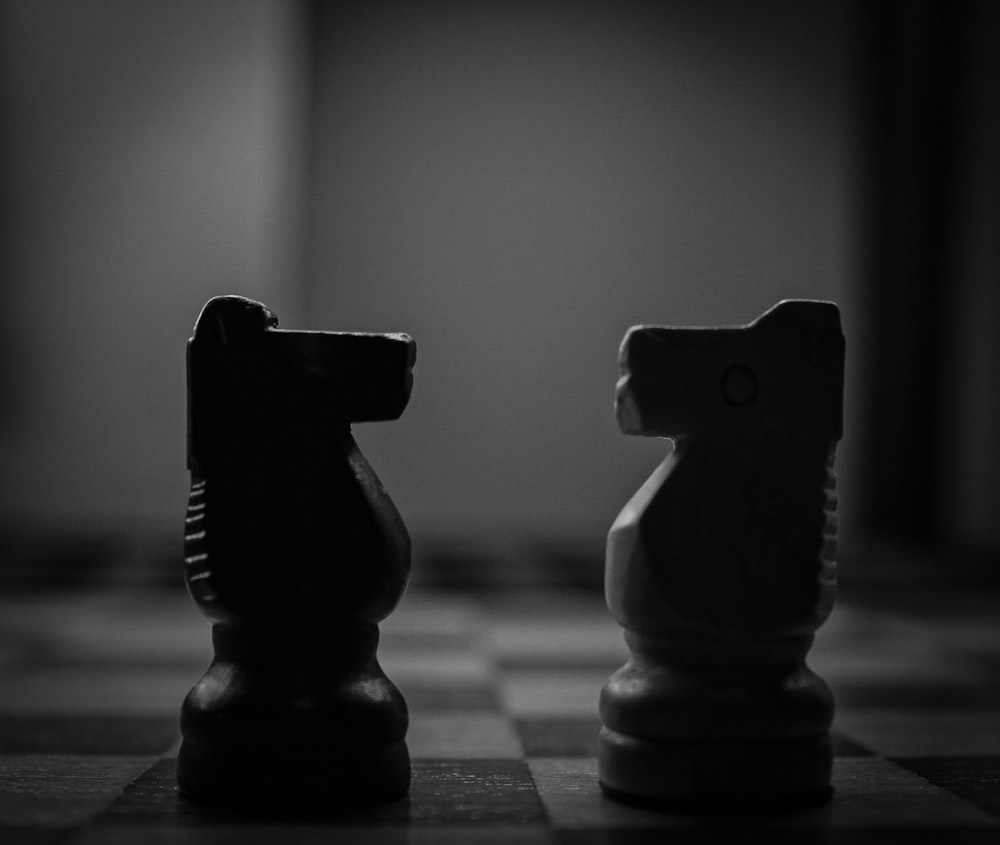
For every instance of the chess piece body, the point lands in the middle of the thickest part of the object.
(723, 564)
(295, 552)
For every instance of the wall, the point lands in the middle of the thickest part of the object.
(517, 184)
(150, 161)
(971, 443)
(513, 183)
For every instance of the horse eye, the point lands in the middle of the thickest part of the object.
(739, 385)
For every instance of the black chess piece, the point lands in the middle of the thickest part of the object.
(723, 564)
(295, 552)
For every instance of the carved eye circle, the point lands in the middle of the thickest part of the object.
(739, 385)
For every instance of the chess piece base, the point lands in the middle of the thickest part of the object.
(294, 716)
(320, 780)
(711, 775)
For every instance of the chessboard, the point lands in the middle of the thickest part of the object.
(502, 688)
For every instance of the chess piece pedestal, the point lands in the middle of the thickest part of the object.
(295, 552)
(723, 565)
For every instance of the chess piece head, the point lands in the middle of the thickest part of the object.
(784, 372)
(253, 387)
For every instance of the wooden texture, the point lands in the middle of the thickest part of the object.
(723, 564)
(295, 552)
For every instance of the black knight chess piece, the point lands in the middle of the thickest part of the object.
(295, 552)
(723, 564)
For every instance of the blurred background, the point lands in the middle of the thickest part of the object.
(514, 184)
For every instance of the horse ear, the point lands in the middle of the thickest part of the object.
(808, 336)
(232, 321)
(796, 315)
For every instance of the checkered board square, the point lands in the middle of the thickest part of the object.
(503, 693)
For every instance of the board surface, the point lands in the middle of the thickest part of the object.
(502, 690)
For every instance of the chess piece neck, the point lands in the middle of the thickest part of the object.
(349, 648)
(720, 650)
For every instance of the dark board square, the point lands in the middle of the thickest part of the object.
(546, 736)
(62, 790)
(712, 834)
(111, 735)
(976, 779)
(154, 801)
(474, 792)
(964, 688)
(454, 697)
(477, 834)
(599, 663)
(442, 792)
(35, 835)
